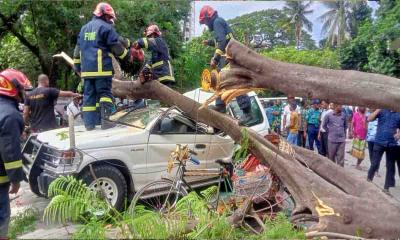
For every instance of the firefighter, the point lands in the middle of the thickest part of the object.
(96, 43)
(222, 34)
(12, 86)
(159, 65)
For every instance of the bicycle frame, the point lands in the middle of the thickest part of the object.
(179, 182)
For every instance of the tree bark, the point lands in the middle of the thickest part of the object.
(251, 70)
(343, 203)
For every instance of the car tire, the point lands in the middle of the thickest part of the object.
(111, 180)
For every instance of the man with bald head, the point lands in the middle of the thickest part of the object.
(39, 105)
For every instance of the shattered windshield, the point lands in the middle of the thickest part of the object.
(138, 118)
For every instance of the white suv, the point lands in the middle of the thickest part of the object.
(132, 153)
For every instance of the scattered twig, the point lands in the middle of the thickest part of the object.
(332, 235)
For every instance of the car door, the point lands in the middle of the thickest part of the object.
(172, 129)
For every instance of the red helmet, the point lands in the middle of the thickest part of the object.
(206, 12)
(13, 83)
(152, 29)
(137, 55)
(105, 9)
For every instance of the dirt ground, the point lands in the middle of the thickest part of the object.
(25, 198)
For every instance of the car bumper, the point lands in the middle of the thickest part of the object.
(44, 181)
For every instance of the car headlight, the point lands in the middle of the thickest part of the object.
(67, 157)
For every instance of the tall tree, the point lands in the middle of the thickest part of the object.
(375, 47)
(297, 11)
(267, 29)
(334, 21)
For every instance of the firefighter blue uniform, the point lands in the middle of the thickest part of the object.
(222, 34)
(11, 127)
(96, 44)
(159, 64)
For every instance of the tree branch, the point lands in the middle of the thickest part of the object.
(339, 86)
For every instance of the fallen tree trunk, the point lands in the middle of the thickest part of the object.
(343, 203)
(251, 70)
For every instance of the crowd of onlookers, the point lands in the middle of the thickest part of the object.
(324, 126)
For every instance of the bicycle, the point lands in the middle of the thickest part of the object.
(162, 195)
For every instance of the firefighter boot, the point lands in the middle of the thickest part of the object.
(106, 111)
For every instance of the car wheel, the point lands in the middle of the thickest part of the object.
(110, 183)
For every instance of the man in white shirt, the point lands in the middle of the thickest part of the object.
(286, 112)
(74, 109)
(323, 134)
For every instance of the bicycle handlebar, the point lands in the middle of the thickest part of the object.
(194, 160)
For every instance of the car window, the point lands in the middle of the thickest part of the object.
(255, 113)
(138, 118)
(175, 123)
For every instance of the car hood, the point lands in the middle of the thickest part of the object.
(97, 138)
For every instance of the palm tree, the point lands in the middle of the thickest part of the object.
(336, 21)
(297, 11)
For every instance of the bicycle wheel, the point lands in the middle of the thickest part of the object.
(160, 196)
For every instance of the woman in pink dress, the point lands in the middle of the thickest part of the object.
(359, 130)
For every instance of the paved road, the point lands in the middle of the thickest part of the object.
(27, 198)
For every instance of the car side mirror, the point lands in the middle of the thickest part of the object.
(166, 125)
(210, 130)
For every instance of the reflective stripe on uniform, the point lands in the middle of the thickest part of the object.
(105, 99)
(166, 78)
(97, 105)
(157, 64)
(88, 109)
(13, 165)
(99, 60)
(4, 179)
(219, 52)
(99, 72)
(96, 74)
(123, 54)
(147, 65)
(170, 77)
(146, 44)
(229, 36)
(77, 61)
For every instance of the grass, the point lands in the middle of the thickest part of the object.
(23, 222)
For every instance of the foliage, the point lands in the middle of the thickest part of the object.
(359, 14)
(324, 58)
(20, 58)
(22, 222)
(43, 28)
(342, 19)
(280, 228)
(373, 49)
(91, 230)
(297, 11)
(193, 59)
(213, 227)
(151, 225)
(334, 20)
(146, 224)
(243, 151)
(268, 28)
(71, 199)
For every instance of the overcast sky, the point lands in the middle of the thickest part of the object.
(232, 9)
